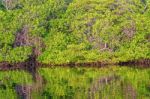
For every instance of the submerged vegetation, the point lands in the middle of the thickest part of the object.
(64, 31)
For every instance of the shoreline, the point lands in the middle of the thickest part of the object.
(4, 66)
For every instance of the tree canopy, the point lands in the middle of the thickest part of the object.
(75, 30)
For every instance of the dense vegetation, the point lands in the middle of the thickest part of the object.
(75, 30)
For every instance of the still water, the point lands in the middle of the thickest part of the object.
(76, 83)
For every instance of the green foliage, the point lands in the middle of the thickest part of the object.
(77, 31)
(18, 54)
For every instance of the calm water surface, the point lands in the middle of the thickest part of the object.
(76, 83)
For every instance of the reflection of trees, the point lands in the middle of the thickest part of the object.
(25, 91)
(99, 85)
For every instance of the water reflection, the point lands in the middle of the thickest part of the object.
(76, 83)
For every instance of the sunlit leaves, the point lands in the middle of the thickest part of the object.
(78, 31)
